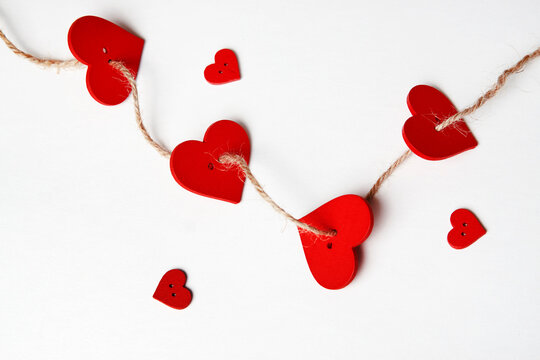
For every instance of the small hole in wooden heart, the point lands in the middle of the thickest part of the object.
(463, 234)
(171, 285)
(173, 294)
(226, 64)
(104, 50)
(210, 166)
(437, 122)
(221, 72)
(464, 224)
(329, 245)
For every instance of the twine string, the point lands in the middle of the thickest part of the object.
(234, 159)
(240, 162)
(119, 66)
(501, 80)
(385, 175)
(58, 64)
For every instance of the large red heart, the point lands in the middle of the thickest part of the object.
(224, 70)
(95, 41)
(172, 291)
(333, 261)
(466, 229)
(195, 165)
(429, 108)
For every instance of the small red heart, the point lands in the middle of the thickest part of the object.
(95, 41)
(172, 291)
(466, 229)
(429, 108)
(195, 166)
(224, 70)
(333, 261)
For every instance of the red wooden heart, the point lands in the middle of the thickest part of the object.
(224, 70)
(466, 229)
(195, 166)
(172, 291)
(429, 108)
(333, 260)
(95, 41)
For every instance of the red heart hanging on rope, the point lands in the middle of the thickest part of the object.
(95, 41)
(224, 70)
(195, 165)
(172, 291)
(466, 229)
(333, 261)
(429, 108)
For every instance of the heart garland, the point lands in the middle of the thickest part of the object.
(95, 42)
(429, 107)
(330, 234)
(195, 165)
(333, 261)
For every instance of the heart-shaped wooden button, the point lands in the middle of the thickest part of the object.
(466, 229)
(172, 290)
(333, 261)
(224, 70)
(95, 41)
(429, 108)
(195, 165)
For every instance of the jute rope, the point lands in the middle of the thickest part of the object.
(385, 175)
(501, 80)
(58, 64)
(235, 159)
(118, 65)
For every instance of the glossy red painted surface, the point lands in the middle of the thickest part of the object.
(94, 41)
(224, 70)
(466, 229)
(172, 290)
(333, 261)
(195, 166)
(429, 107)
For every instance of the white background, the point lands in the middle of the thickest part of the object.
(90, 217)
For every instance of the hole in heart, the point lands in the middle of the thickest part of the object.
(104, 50)
(210, 166)
(437, 122)
(171, 285)
(225, 64)
(329, 245)
(173, 294)
(464, 224)
(221, 72)
(463, 234)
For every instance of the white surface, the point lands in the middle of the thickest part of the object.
(90, 217)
